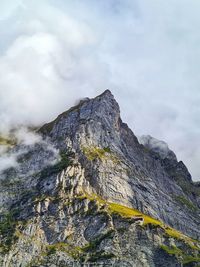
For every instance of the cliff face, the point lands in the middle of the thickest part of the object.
(89, 191)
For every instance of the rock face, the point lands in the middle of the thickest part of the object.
(157, 146)
(88, 191)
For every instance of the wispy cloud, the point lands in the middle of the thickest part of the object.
(27, 141)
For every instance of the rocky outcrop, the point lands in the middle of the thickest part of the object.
(64, 222)
(90, 192)
(130, 174)
(157, 146)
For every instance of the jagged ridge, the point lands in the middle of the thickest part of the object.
(105, 181)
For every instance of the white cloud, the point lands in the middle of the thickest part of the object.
(7, 161)
(26, 140)
(26, 137)
(147, 52)
(7, 7)
(43, 69)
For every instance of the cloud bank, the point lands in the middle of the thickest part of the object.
(147, 52)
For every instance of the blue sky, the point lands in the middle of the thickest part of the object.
(53, 53)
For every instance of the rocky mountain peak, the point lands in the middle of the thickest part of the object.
(106, 93)
(84, 190)
(102, 109)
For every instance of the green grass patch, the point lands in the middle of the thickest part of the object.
(190, 259)
(180, 236)
(128, 212)
(123, 210)
(95, 152)
(186, 202)
(173, 250)
(180, 254)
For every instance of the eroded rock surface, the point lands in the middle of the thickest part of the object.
(90, 192)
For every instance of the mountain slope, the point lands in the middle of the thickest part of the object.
(89, 191)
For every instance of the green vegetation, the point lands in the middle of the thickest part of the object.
(42, 197)
(176, 234)
(93, 196)
(100, 255)
(51, 250)
(96, 152)
(190, 259)
(171, 250)
(73, 251)
(81, 252)
(122, 210)
(184, 201)
(8, 223)
(10, 182)
(107, 149)
(130, 212)
(105, 153)
(180, 254)
(8, 226)
(148, 220)
(127, 212)
(56, 168)
(91, 249)
(188, 187)
(95, 243)
(5, 141)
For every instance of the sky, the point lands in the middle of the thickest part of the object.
(147, 52)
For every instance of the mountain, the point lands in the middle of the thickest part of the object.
(88, 192)
(157, 146)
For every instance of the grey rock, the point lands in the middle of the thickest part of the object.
(157, 146)
(57, 203)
